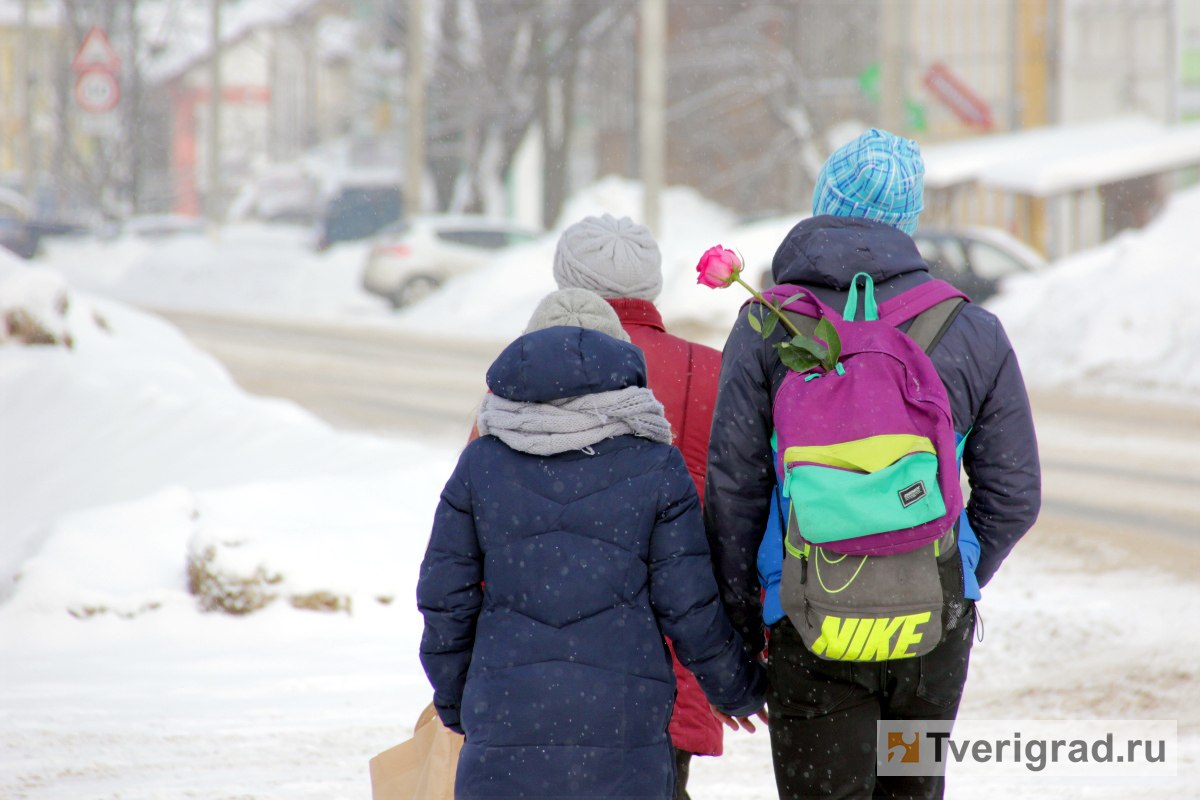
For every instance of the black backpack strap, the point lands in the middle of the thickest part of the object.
(928, 327)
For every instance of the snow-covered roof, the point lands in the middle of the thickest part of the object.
(1043, 162)
(190, 44)
(1047, 174)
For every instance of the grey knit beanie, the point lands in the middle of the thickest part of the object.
(579, 308)
(611, 257)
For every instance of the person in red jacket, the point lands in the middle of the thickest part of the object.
(619, 260)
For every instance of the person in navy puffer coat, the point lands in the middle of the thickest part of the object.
(567, 542)
(619, 260)
(824, 714)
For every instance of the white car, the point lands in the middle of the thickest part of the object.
(411, 258)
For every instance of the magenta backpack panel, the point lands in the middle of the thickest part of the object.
(867, 451)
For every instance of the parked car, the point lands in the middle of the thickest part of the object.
(153, 227)
(17, 232)
(410, 259)
(976, 260)
(281, 194)
(356, 211)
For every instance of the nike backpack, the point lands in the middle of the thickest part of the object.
(868, 467)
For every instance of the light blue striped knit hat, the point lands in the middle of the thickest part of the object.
(877, 176)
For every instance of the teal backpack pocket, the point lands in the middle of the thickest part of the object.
(833, 504)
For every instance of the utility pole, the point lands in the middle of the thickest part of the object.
(893, 30)
(651, 111)
(414, 171)
(213, 206)
(134, 109)
(311, 134)
(25, 152)
(1033, 80)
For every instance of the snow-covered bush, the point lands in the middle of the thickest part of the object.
(36, 307)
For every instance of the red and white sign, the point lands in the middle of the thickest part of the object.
(97, 88)
(97, 91)
(96, 53)
(952, 91)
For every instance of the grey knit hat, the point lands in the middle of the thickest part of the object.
(579, 308)
(609, 256)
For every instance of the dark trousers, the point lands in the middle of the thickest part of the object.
(824, 713)
(683, 760)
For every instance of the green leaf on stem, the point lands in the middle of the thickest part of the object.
(753, 319)
(826, 332)
(819, 349)
(796, 359)
(763, 319)
(769, 323)
(803, 352)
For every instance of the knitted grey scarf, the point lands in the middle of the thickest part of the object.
(574, 423)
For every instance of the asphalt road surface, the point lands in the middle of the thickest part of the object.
(1127, 469)
(356, 378)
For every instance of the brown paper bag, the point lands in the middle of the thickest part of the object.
(421, 768)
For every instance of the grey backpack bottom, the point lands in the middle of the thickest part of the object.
(871, 608)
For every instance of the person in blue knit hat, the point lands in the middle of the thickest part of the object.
(877, 176)
(824, 714)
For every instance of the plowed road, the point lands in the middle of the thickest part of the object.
(1123, 468)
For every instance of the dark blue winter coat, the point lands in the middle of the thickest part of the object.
(974, 359)
(548, 584)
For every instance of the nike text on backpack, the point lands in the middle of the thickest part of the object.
(869, 476)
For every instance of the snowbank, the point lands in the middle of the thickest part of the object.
(1118, 319)
(254, 269)
(131, 410)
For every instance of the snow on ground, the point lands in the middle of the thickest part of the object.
(264, 270)
(132, 466)
(149, 409)
(130, 459)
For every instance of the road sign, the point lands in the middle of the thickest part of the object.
(96, 52)
(952, 91)
(97, 91)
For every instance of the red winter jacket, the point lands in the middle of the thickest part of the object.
(683, 376)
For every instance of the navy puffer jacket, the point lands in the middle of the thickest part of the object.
(548, 584)
(974, 359)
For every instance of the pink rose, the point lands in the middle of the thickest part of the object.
(718, 267)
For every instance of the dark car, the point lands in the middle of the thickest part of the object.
(17, 232)
(975, 260)
(354, 212)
